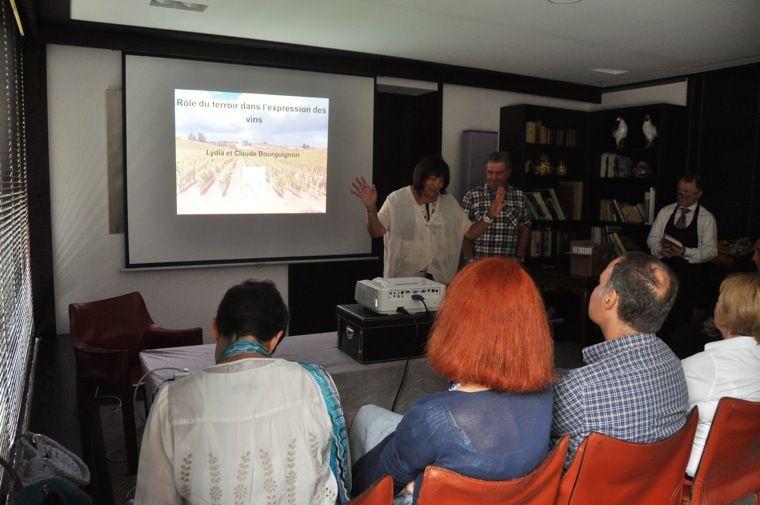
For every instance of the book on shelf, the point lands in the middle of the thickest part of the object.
(570, 197)
(537, 133)
(617, 244)
(546, 242)
(615, 211)
(532, 208)
(557, 203)
(615, 165)
(596, 234)
(630, 243)
(541, 207)
(562, 241)
(536, 244)
(620, 243)
(530, 132)
(552, 203)
(649, 204)
(547, 246)
(642, 212)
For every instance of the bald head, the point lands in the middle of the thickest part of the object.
(646, 290)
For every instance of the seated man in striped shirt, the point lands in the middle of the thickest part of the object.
(632, 387)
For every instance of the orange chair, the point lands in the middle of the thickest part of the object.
(730, 464)
(381, 493)
(444, 487)
(108, 336)
(607, 470)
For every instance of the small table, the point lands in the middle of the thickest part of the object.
(582, 285)
(357, 384)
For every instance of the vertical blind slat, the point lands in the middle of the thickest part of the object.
(16, 324)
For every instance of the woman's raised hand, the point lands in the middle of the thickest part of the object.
(365, 192)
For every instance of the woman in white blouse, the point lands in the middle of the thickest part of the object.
(731, 366)
(422, 226)
(251, 429)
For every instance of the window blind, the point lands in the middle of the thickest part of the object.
(15, 274)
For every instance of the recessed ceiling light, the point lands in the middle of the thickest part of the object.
(610, 71)
(564, 2)
(176, 4)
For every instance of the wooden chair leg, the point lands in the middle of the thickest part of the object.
(130, 431)
(93, 449)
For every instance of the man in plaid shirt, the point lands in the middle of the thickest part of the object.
(632, 387)
(509, 233)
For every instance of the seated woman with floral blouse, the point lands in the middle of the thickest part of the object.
(252, 429)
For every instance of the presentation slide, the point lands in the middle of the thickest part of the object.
(227, 163)
(250, 153)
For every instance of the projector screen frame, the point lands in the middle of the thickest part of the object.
(133, 266)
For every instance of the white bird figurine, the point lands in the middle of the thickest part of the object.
(649, 129)
(621, 132)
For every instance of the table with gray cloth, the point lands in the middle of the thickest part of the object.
(357, 384)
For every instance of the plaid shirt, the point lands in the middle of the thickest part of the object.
(632, 388)
(500, 238)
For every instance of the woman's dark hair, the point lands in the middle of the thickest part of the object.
(252, 308)
(430, 166)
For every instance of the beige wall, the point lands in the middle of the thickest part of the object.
(87, 261)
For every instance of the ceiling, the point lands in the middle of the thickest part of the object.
(651, 39)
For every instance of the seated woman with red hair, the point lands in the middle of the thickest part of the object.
(491, 337)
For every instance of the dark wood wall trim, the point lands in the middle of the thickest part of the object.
(644, 84)
(38, 166)
(178, 44)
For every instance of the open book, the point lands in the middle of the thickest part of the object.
(672, 241)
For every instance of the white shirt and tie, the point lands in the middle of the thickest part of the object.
(707, 231)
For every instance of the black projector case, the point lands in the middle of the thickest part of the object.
(369, 337)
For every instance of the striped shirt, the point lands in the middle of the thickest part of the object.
(632, 388)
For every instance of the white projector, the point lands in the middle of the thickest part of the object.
(385, 296)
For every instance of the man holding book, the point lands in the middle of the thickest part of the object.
(684, 235)
(509, 232)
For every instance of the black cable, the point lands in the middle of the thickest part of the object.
(402, 310)
(421, 298)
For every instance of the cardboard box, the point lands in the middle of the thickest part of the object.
(589, 259)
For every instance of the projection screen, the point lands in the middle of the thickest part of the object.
(233, 163)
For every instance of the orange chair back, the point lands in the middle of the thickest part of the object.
(607, 470)
(381, 493)
(730, 464)
(444, 487)
(113, 323)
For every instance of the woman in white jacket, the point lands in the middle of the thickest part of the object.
(731, 366)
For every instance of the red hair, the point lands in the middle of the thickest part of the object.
(492, 329)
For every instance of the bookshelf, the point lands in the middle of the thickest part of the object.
(613, 177)
(613, 201)
(549, 151)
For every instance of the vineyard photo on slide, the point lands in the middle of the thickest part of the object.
(247, 153)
